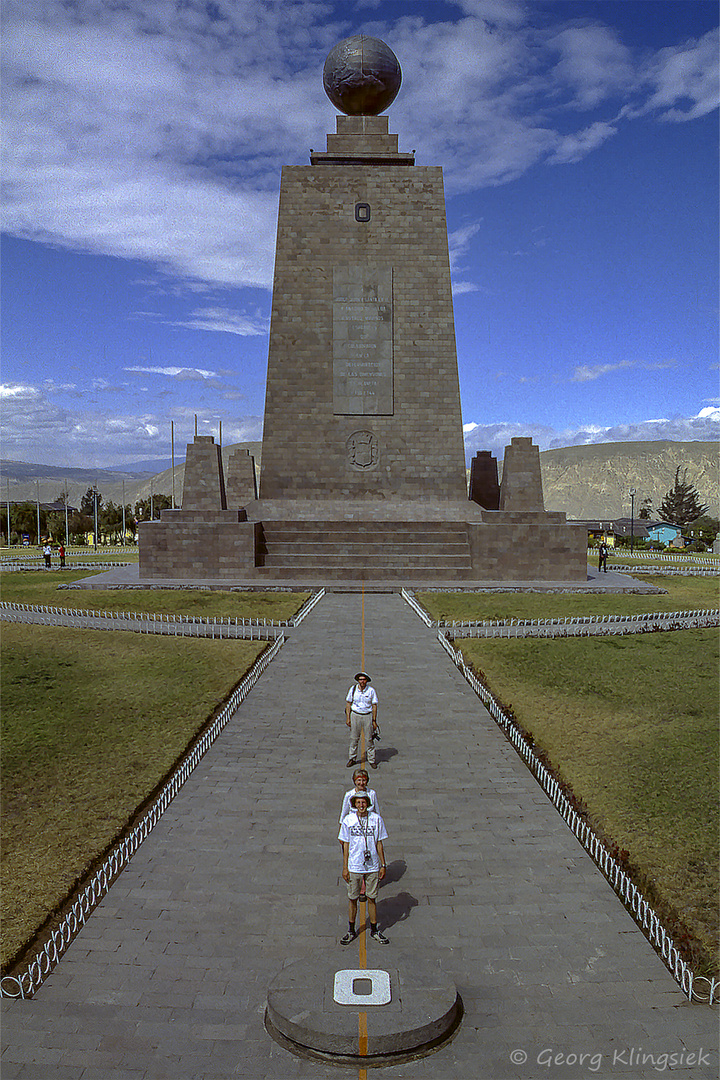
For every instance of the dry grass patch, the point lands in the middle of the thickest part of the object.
(92, 723)
(679, 594)
(630, 725)
(41, 587)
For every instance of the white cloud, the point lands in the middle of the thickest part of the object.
(704, 427)
(226, 321)
(461, 287)
(39, 430)
(156, 132)
(586, 373)
(175, 372)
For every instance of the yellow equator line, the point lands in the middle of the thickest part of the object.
(362, 944)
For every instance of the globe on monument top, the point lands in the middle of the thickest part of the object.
(362, 76)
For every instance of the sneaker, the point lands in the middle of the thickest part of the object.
(376, 935)
(350, 763)
(349, 937)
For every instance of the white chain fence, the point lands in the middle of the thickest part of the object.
(658, 556)
(155, 623)
(588, 626)
(97, 565)
(695, 987)
(571, 626)
(27, 982)
(666, 571)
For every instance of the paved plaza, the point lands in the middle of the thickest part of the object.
(242, 876)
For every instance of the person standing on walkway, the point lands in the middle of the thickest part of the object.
(361, 706)
(361, 781)
(602, 556)
(361, 835)
(61, 553)
(47, 552)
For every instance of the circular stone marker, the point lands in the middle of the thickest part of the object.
(411, 1008)
(362, 76)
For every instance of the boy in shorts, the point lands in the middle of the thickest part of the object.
(361, 834)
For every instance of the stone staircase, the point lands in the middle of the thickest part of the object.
(365, 550)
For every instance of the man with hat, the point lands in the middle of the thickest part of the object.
(361, 705)
(361, 834)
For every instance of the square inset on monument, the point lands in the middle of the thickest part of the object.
(351, 987)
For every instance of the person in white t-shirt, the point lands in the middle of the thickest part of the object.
(361, 706)
(362, 833)
(361, 781)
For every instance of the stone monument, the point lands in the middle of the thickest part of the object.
(363, 466)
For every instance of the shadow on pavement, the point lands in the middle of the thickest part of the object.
(394, 909)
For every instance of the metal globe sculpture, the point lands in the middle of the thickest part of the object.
(362, 76)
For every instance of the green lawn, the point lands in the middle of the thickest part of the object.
(41, 587)
(679, 594)
(92, 723)
(631, 725)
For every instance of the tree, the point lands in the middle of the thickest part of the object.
(110, 521)
(87, 503)
(646, 509)
(56, 527)
(159, 502)
(681, 505)
(24, 520)
(705, 529)
(79, 525)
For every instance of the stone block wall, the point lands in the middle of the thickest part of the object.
(240, 483)
(484, 486)
(197, 546)
(204, 484)
(387, 220)
(521, 486)
(525, 552)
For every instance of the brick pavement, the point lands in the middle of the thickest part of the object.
(242, 875)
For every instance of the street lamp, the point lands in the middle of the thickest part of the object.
(95, 502)
(633, 493)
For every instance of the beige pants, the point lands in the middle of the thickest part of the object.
(361, 722)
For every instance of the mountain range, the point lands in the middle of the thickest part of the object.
(585, 481)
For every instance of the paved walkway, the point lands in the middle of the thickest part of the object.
(242, 875)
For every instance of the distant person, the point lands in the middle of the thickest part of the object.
(61, 553)
(361, 706)
(362, 834)
(602, 556)
(47, 552)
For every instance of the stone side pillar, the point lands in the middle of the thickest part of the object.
(484, 486)
(204, 486)
(521, 487)
(240, 483)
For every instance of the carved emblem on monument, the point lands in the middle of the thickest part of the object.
(362, 448)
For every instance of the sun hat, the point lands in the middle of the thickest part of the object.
(360, 795)
(363, 673)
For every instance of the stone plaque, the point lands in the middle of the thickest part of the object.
(362, 341)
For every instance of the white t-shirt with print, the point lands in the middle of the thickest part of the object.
(362, 834)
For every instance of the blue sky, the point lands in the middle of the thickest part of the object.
(142, 169)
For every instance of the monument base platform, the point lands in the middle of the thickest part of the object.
(364, 540)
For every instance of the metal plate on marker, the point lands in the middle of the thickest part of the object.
(345, 990)
(362, 341)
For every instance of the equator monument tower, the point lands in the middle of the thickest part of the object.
(363, 468)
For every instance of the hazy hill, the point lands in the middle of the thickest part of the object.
(584, 481)
(594, 481)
